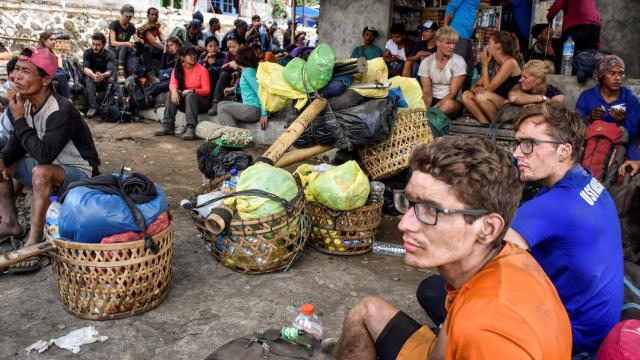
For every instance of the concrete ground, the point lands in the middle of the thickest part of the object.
(208, 304)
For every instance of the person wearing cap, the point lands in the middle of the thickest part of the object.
(213, 30)
(152, 39)
(442, 74)
(286, 41)
(424, 48)
(461, 16)
(190, 88)
(99, 68)
(396, 49)
(274, 42)
(120, 33)
(194, 35)
(368, 50)
(238, 32)
(52, 146)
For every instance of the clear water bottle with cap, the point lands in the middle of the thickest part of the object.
(567, 56)
(308, 321)
(388, 249)
(229, 186)
(52, 217)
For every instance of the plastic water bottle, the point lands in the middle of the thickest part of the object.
(229, 186)
(308, 321)
(388, 249)
(52, 217)
(567, 56)
(234, 176)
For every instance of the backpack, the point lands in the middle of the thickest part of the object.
(631, 306)
(137, 97)
(72, 65)
(113, 107)
(604, 150)
(585, 62)
(627, 197)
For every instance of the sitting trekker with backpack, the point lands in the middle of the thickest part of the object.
(99, 68)
(611, 102)
(167, 63)
(190, 89)
(52, 146)
(251, 109)
(571, 225)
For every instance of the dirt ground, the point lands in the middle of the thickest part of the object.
(208, 304)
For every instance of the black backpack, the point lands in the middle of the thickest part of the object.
(114, 107)
(135, 91)
(73, 67)
(585, 62)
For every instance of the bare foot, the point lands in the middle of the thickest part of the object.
(10, 229)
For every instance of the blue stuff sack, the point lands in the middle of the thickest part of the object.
(88, 215)
(397, 92)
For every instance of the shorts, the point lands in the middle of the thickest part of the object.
(402, 337)
(25, 166)
(434, 101)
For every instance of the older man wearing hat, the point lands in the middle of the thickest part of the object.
(52, 146)
(368, 50)
(120, 33)
(238, 32)
(424, 48)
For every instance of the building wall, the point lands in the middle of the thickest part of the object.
(621, 31)
(341, 23)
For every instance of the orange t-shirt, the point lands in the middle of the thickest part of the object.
(508, 310)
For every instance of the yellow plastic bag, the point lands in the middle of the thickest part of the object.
(267, 178)
(376, 71)
(411, 91)
(344, 187)
(274, 92)
(306, 173)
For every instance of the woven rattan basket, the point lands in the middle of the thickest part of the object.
(112, 281)
(259, 246)
(343, 232)
(392, 156)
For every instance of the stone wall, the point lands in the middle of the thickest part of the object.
(621, 31)
(342, 23)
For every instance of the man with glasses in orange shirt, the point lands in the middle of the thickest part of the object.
(457, 207)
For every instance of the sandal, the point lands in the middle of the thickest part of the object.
(31, 264)
(13, 238)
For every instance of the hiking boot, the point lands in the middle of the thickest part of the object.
(214, 108)
(189, 134)
(121, 77)
(91, 113)
(164, 130)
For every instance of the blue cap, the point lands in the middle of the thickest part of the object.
(195, 23)
(54, 198)
(233, 172)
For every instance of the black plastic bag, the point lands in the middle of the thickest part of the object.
(214, 165)
(396, 182)
(369, 123)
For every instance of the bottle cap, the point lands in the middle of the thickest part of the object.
(54, 198)
(307, 309)
(233, 172)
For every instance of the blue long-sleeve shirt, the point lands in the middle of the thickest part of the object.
(464, 16)
(592, 98)
(249, 89)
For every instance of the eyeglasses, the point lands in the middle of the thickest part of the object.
(526, 145)
(426, 212)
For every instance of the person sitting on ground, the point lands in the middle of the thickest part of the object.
(254, 43)
(238, 33)
(52, 146)
(190, 89)
(545, 47)
(6, 120)
(61, 79)
(300, 43)
(368, 50)
(533, 87)
(396, 49)
(120, 33)
(167, 63)
(194, 35)
(257, 28)
(152, 39)
(213, 60)
(99, 69)
(500, 302)
(229, 68)
(488, 95)
(442, 74)
(424, 48)
(610, 101)
(251, 109)
(213, 30)
(571, 225)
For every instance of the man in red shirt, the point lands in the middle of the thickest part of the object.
(581, 20)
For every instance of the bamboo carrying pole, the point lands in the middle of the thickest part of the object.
(24, 253)
(221, 216)
(294, 156)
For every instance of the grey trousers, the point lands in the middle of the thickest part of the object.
(192, 104)
(230, 112)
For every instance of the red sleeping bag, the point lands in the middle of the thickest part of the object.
(158, 225)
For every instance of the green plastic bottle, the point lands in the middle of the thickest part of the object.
(298, 337)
